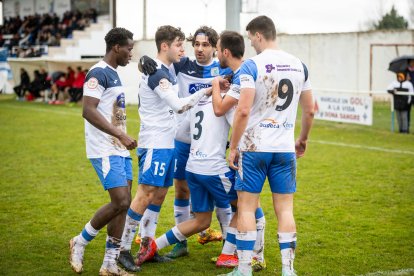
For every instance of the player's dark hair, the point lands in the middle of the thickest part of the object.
(209, 32)
(263, 25)
(117, 36)
(234, 42)
(167, 34)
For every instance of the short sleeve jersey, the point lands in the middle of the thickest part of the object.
(102, 82)
(192, 77)
(158, 123)
(278, 79)
(209, 135)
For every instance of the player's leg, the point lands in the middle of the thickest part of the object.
(258, 261)
(282, 180)
(112, 174)
(182, 195)
(249, 184)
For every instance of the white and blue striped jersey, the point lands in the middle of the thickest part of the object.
(158, 123)
(102, 82)
(192, 77)
(279, 79)
(209, 135)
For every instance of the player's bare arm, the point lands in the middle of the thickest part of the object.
(307, 105)
(92, 115)
(221, 105)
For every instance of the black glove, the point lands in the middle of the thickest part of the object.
(148, 65)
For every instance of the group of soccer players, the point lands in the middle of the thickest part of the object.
(186, 109)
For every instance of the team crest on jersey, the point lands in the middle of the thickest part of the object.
(215, 71)
(164, 84)
(92, 83)
(120, 100)
(194, 87)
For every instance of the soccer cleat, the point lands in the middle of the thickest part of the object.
(113, 270)
(180, 250)
(146, 251)
(138, 239)
(214, 259)
(228, 261)
(160, 259)
(126, 260)
(236, 272)
(210, 235)
(76, 256)
(288, 272)
(258, 265)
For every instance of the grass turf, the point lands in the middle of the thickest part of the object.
(354, 205)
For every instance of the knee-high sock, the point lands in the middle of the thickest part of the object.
(245, 244)
(287, 243)
(131, 222)
(150, 220)
(88, 233)
(260, 227)
(171, 237)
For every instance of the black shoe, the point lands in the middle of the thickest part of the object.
(160, 259)
(127, 261)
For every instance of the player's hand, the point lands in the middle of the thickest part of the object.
(224, 84)
(148, 65)
(128, 142)
(233, 158)
(300, 148)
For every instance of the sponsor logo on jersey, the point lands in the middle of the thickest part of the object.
(200, 154)
(269, 123)
(92, 83)
(120, 100)
(269, 68)
(215, 71)
(287, 125)
(194, 87)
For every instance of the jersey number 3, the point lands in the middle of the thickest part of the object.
(198, 126)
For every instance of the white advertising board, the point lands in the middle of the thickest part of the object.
(344, 107)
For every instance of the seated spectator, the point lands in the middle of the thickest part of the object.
(76, 91)
(24, 85)
(36, 85)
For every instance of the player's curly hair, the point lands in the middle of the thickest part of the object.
(209, 32)
(117, 36)
(167, 34)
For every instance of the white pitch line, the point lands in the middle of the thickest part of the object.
(61, 112)
(400, 272)
(362, 147)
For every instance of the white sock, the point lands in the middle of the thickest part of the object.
(150, 220)
(229, 246)
(88, 233)
(245, 243)
(260, 227)
(173, 236)
(131, 223)
(287, 243)
(181, 210)
(111, 251)
(224, 217)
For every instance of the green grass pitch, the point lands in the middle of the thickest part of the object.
(354, 207)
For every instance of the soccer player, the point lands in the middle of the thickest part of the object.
(262, 143)
(209, 178)
(107, 146)
(193, 75)
(230, 51)
(158, 103)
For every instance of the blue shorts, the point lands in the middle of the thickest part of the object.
(113, 171)
(181, 153)
(156, 167)
(208, 191)
(279, 167)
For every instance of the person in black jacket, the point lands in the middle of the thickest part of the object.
(24, 85)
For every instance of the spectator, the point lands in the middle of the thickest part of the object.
(24, 85)
(36, 86)
(402, 103)
(76, 91)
